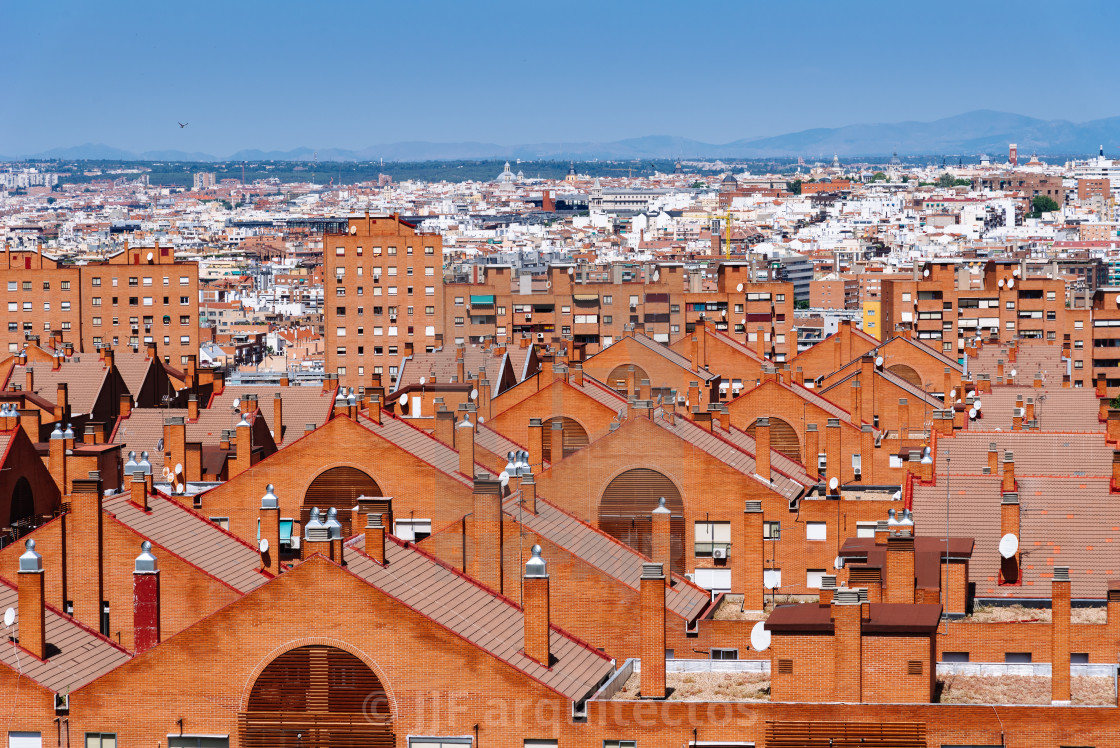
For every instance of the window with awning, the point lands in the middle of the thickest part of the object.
(482, 300)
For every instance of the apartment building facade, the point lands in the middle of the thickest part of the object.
(663, 303)
(138, 296)
(383, 297)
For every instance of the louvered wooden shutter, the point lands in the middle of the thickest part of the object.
(783, 438)
(845, 734)
(574, 435)
(627, 505)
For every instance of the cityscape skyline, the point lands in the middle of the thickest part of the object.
(838, 68)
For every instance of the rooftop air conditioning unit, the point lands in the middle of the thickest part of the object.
(719, 553)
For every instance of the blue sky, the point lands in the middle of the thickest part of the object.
(280, 75)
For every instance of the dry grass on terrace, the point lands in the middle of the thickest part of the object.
(1020, 613)
(1020, 689)
(706, 687)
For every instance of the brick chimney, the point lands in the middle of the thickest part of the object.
(445, 426)
(529, 492)
(652, 625)
(828, 587)
(484, 531)
(375, 537)
(29, 379)
(536, 444)
(269, 543)
(373, 407)
(62, 401)
(556, 444)
(1029, 415)
(535, 604)
(1008, 472)
(661, 539)
(316, 536)
(693, 394)
(32, 603)
(192, 407)
(83, 543)
(856, 398)
(125, 405)
(1115, 485)
(56, 459)
(138, 491)
(847, 645)
(1009, 525)
(576, 374)
(867, 453)
(175, 442)
(464, 442)
(832, 452)
(1059, 636)
(762, 447)
(1102, 409)
(334, 535)
(754, 556)
(484, 393)
(243, 453)
(900, 567)
(993, 458)
(145, 600)
(277, 418)
(812, 450)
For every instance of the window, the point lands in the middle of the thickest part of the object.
(816, 531)
(620, 744)
(339, 251)
(101, 740)
(95, 281)
(723, 654)
(424, 742)
(813, 578)
(133, 281)
(47, 285)
(222, 522)
(11, 285)
(1017, 658)
(184, 280)
(429, 250)
(13, 306)
(27, 285)
(185, 320)
(66, 306)
(715, 580)
(412, 529)
(772, 530)
(166, 281)
(1079, 658)
(906, 297)
(1050, 295)
(429, 310)
(148, 281)
(25, 739)
(712, 537)
(865, 529)
(531, 743)
(185, 340)
(954, 656)
(429, 290)
(608, 299)
(97, 322)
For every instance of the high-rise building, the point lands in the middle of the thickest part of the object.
(383, 297)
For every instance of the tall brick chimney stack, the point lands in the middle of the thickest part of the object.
(762, 447)
(1008, 484)
(83, 543)
(652, 625)
(661, 540)
(832, 453)
(278, 418)
(375, 537)
(535, 604)
(900, 567)
(812, 450)
(1059, 636)
(754, 556)
(536, 444)
(270, 531)
(847, 645)
(556, 443)
(484, 531)
(145, 600)
(464, 442)
(993, 458)
(529, 492)
(243, 456)
(56, 459)
(32, 603)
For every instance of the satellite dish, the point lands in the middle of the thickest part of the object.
(474, 394)
(571, 271)
(740, 288)
(832, 484)
(236, 403)
(977, 405)
(1013, 372)
(180, 488)
(1118, 301)
(972, 414)
(925, 273)
(838, 562)
(953, 393)
(178, 468)
(9, 617)
(353, 230)
(150, 257)
(263, 545)
(404, 400)
(1011, 283)
(422, 381)
(760, 637)
(1000, 283)
(879, 361)
(1008, 544)
(972, 393)
(656, 275)
(896, 496)
(503, 478)
(481, 420)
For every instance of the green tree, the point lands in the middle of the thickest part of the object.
(878, 177)
(1042, 204)
(794, 186)
(51, 200)
(945, 180)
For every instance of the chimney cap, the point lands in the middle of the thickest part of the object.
(1061, 573)
(30, 562)
(69, 432)
(270, 500)
(536, 567)
(146, 563)
(661, 507)
(57, 433)
(653, 571)
(244, 422)
(334, 527)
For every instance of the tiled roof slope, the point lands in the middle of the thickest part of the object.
(604, 553)
(1055, 409)
(487, 620)
(1036, 452)
(192, 538)
(79, 656)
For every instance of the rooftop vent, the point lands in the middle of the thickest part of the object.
(1061, 573)
(845, 596)
(653, 571)
(146, 562)
(752, 507)
(536, 567)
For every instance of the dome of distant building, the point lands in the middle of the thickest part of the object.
(730, 180)
(507, 176)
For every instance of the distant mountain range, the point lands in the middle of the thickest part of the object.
(971, 133)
